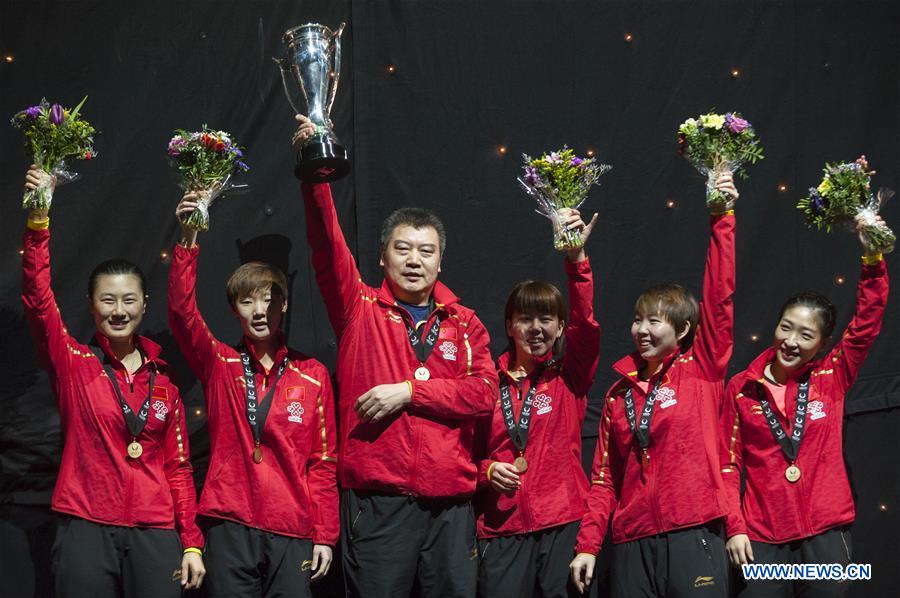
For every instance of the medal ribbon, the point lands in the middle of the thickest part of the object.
(257, 411)
(641, 430)
(134, 421)
(790, 445)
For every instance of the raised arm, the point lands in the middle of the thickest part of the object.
(45, 322)
(336, 271)
(715, 335)
(871, 299)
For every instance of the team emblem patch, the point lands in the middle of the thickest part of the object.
(815, 410)
(542, 404)
(666, 397)
(295, 412)
(161, 410)
(448, 350)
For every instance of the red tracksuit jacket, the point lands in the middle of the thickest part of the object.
(97, 480)
(425, 450)
(681, 487)
(554, 489)
(293, 491)
(775, 510)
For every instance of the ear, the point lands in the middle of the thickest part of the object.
(509, 329)
(381, 257)
(146, 301)
(683, 333)
(90, 303)
(562, 328)
(284, 305)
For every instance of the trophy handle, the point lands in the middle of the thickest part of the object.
(284, 83)
(336, 72)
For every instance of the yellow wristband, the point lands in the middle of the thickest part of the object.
(490, 468)
(193, 549)
(872, 260)
(725, 213)
(410, 386)
(42, 224)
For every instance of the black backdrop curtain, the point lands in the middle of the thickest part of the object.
(819, 80)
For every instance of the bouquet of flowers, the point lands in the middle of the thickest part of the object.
(53, 135)
(845, 197)
(714, 143)
(560, 180)
(206, 160)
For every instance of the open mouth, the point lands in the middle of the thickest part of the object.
(118, 325)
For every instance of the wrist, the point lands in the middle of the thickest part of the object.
(725, 212)
(873, 258)
(490, 469)
(38, 220)
(193, 549)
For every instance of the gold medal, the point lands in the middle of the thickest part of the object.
(792, 473)
(257, 454)
(521, 464)
(135, 450)
(422, 373)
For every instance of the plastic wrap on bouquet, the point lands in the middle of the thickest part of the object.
(41, 198)
(876, 236)
(199, 218)
(716, 201)
(560, 180)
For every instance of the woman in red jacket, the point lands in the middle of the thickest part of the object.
(656, 467)
(782, 425)
(533, 488)
(125, 488)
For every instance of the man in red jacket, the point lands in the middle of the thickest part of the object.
(270, 493)
(414, 373)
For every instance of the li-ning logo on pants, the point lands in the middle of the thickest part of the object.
(295, 411)
(704, 580)
(161, 410)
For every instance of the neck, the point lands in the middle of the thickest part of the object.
(417, 298)
(650, 369)
(776, 373)
(526, 363)
(121, 347)
(265, 350)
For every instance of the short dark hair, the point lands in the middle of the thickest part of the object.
(675, 304)
(536, 297)
(252, 276)
(112, 268)
(824, 310)
(416, 218)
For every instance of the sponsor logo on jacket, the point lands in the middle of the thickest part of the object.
(815, 410)
(295, 412)
(448, 350)
(542, 404)
(666, 397)
(161, 410)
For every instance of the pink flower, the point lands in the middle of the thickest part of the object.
(736, 124)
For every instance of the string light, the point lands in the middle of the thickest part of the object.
(754, 337)
(628, 37)
(198, 412)
(839, 280)
(735, 73)
(164, 255)
(9, 58)
(589, 153)
(502, 150)
(391, 69)
(670, 203)
(21, 252)
(882, 507)
(782, 187)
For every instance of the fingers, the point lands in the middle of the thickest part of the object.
(315, 560)
(749, 552)
(185, 572)
(577, 569)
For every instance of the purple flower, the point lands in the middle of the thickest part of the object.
(531, 175)
(241, 165)
(56, 114)
(816, 201)
(553, 158)
(576, 161)
(33, 111)
(237, 152)
(735, 124)
(176, 145)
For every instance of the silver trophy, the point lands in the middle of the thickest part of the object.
(310, 74)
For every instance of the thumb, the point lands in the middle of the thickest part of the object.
(590, 225)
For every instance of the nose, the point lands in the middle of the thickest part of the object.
(118, 309)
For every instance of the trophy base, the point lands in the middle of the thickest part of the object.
(321, 160)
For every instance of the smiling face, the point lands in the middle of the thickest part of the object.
(534, 335)
(118, 305)
(260, 313)
(798, 338)
(411, 259)
(654, 337)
